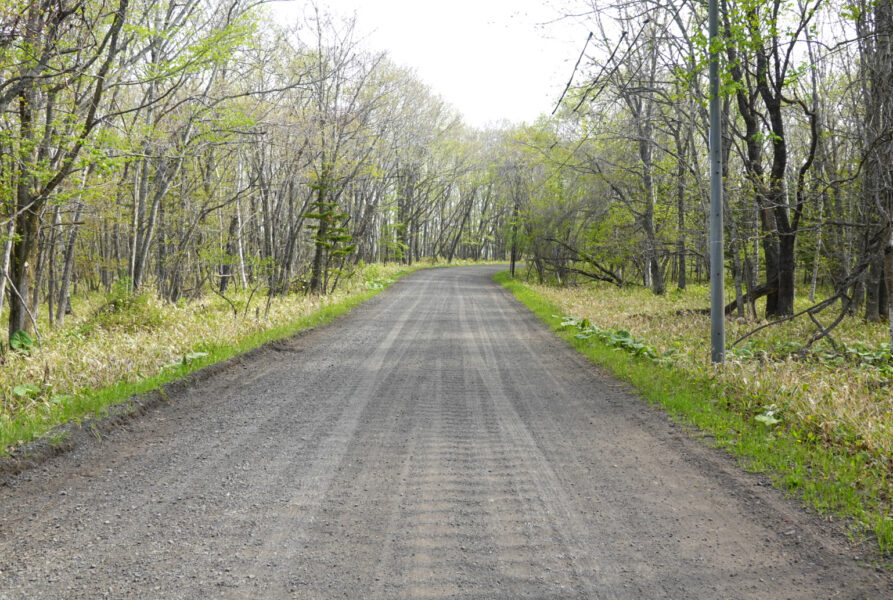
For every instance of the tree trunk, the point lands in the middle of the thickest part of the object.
(50, 258)
(872, 312)
(322, 230)
(22, 271)
(680, 224)
(786, 274)
(770, 257)
(68, 267)
(813, 279)
(888, 274)
(29, 207)
(4, 260)
(226, 269)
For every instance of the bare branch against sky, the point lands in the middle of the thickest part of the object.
(496, 60)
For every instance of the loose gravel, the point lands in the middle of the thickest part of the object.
(438, 442)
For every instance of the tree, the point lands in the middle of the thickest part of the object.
(874, 22)
(59, 44)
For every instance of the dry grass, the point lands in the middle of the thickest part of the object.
(100, 347)
(842, 400)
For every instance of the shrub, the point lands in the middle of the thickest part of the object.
(129, 311)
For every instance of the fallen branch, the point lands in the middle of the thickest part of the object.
(607, 275)
(815, 309)
(750, 297)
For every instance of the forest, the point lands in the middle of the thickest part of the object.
(187, 147)
(175, 147)
(190, 147)
(806, 166)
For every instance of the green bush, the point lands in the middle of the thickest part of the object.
(129, 311)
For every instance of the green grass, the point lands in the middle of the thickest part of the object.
(832, 480)
(30, 425)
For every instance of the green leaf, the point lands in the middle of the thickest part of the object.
(767, 419)
(25, 391)
(21, 341)
(193, 356)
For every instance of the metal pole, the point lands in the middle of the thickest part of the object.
(717, 305)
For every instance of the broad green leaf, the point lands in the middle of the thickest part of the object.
(25, 391)
(767, 419)
(21, 341)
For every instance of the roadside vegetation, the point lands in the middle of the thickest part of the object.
(819, 423)
(122, 343)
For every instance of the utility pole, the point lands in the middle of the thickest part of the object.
(717, 305)
(514, 236)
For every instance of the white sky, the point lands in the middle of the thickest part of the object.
(493, 60)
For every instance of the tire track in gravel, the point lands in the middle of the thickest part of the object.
(438, 442)
(366, 379)
(546, 506)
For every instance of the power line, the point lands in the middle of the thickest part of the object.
(604, 65)
(576, 66)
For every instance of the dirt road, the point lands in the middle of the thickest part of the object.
(436, 443)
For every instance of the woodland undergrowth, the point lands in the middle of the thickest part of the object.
(842, 395)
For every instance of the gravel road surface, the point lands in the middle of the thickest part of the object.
(438, 442)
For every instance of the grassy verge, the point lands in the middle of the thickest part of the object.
(105, 356)
(838, 479)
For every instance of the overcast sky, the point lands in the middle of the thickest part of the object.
(493, 60)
